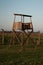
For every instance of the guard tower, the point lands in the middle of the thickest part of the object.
(21, 26)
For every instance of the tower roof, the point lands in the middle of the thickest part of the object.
(23, 15)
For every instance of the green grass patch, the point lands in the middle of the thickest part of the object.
(16, 55)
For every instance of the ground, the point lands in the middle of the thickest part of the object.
(25, 55)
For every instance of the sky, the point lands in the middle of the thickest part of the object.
(29, 7)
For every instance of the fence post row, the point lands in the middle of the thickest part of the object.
(21, 37)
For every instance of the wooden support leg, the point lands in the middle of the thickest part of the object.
(28, 35)
(21, 43)
(15, 36)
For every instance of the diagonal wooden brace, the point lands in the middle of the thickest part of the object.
(28, 36)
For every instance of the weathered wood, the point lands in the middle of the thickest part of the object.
(28, 36)
(22, 25)
(19, 36)
(21, 43)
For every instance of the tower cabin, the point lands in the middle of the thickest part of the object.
(22, 25)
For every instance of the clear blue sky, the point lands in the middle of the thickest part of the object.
(30, 7)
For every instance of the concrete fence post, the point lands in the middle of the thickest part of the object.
(38, 41)
(2, 36)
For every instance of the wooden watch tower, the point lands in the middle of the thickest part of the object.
(22, 26)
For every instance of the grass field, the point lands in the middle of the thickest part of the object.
(16, 55)
(21, 55)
